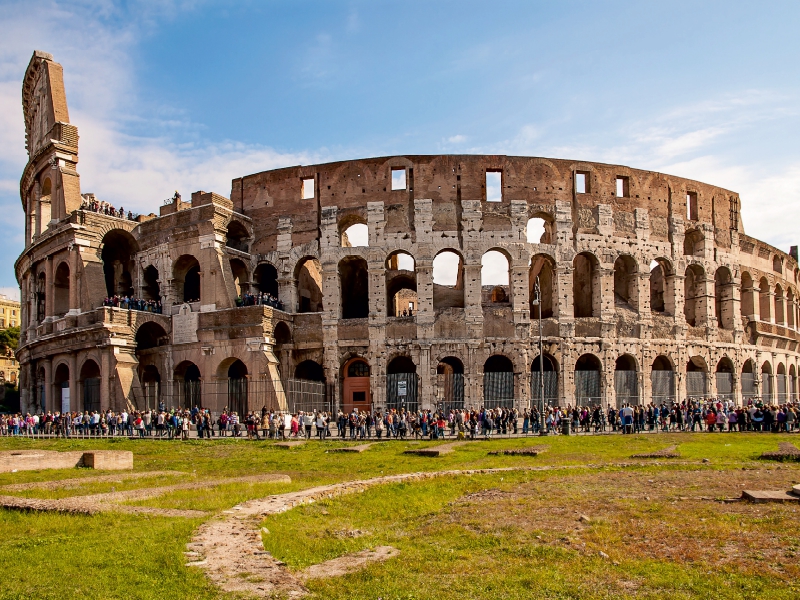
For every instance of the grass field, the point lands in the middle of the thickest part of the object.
(655, 529)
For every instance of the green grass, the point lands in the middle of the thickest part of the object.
(449, 547)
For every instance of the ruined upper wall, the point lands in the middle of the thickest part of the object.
(448, 180)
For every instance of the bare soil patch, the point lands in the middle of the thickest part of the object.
(349, 563)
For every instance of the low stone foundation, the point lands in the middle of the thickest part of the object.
(36, 460)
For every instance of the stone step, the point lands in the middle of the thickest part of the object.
(769, 496)
(796, 490)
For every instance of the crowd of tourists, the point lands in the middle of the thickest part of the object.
(130, 303)
(690, 415)
(260, 299)
(104, 208)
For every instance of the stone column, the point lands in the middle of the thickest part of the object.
(105, 379)
(48, 301)
(74, 296)
(74, 402)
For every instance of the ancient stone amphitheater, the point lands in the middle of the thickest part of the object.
(403, 281)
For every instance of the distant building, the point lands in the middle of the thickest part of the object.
(9, 312)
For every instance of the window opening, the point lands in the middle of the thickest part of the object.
(308, 188)
(398, 179)
(691, 206)
(581, 182)
(494, 186)
(622, 187)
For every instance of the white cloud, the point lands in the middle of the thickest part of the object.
(456, 139)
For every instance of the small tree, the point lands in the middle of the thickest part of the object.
(9, 339)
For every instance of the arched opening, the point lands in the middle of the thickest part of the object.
(90, 386)
(585, 286)
(401, 285)
(766, 383)
(41, 297)
(61, 386)
(354, 281)
(151, 386)
(45, 207)
(626, 381)
(696, 377)
(693, 243)
(495, 276)
(150, 335)
(543, 267)
(626, 287)
(186, 274)
(781, 385)
(401, 384)
(356, 393)
(790, 308)
(240, 278)
(779, 310)
(588, 381)
(723, 298)
(61, 283)
(283, 335)
(355, 235)
(749, 292)
(188, 385)
(694, 295)
(309, 370)
(724, 379)
(748, 378)
(266, 279)
(777, 264)
(792, 384)
(448, 280)
(237, 387)
(237, 236)
(151, 290)
(764, 304)
(498, 382)
(118, 253)
(660, 281)
(539, 231)
(308, 279)
(450, 384)
(544, 373)
(662, 380)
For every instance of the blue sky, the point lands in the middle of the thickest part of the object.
(190, 94)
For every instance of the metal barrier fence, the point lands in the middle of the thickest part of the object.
(307, 396)
(748, 385)
(236, 394)
(550, 388)
(663, 386)
(724, 386)
(450, 391)
(766, 388)
(401, 391)
(498, 390)
(588, 388)
(626, 386)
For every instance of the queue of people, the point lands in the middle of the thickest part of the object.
(260, 299)
(130, 303)
(104, 208)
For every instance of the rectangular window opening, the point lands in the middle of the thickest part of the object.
(581, 182)
(622, 187)
(398, 179)
(308, 188)
(691, 206)
(359, 396)
(494, 186)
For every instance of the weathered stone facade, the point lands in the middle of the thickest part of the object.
(649, 286)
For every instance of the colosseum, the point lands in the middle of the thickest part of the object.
(359, 284)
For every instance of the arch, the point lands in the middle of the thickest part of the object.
(498, 382)
(448, 280)
(401, 284)
(266, 278)
(749, 301)
(766, 382)
(781, 387)
(626, 380)
(310, 370)
(790, 308)
(41, 297)
(662, 380)
(118, 251)
(626, 285)
(282, 333)
(237, 369)
(151, 290)
(539, 229)
(696, 377)
(586, 285)
(186, 275)
(356, 393)
(544, 379)
(779, 305)
(240, 276)
(693, 243)
(308, 280)
(61, 283)
(724, 378)
(237, 385)
(777, 264)
(543, 267)
(764, 304)
(237, 236)
(450, 383)
(150, 335)
(723, 298)
(401, 364)
(89, 385)
(354, 287)
(151, 386)
(355, 236)
(187, 371)
(725, 365)
(499, 296)
(588, 380)
(61, 390)
(495, 272)
(694, 295)
(660, 280)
